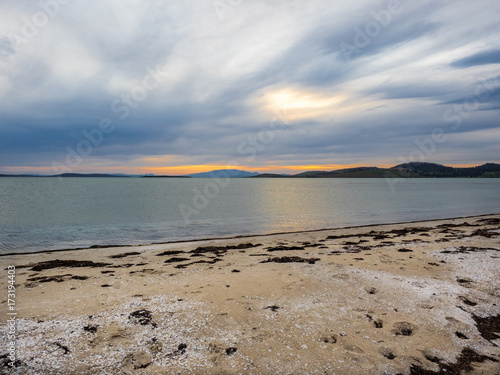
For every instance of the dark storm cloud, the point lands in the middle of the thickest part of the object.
(485, 99)
(405, 91)
(480, 58)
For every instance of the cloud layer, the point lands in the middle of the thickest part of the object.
(266, 84)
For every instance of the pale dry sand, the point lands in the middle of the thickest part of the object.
(388, 299)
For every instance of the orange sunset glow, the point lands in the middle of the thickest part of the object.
(181, 170)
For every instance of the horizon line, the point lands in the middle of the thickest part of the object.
(206, 168)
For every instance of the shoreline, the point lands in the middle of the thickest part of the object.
(231, 237)
(408, 298)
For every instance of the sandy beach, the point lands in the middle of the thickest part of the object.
(412, 298)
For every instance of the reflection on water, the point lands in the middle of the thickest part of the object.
(287, 205)
(46, 213)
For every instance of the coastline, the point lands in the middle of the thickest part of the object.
(381, 298)
(242, 236)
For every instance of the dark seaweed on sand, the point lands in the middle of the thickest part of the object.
(285, 248)
(181, 349)
(123, 255)
(67, 264)
(489, 327)
(176, 260)
(488, 233)
(171, 252)
(223, 249)
(213, 261)
(490, 221)
(55, 278)
(291, 260)
(463, 364)
(143, 317)
(405, 250)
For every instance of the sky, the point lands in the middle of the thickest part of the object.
(177, 87)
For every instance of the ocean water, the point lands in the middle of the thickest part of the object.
(50, 213)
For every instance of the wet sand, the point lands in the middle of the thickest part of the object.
(414, 298)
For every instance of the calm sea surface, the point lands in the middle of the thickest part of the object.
(50, 213)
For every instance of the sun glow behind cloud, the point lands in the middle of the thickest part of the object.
(302, 104)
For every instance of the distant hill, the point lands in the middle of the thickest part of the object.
(348, 172)
(271, 175)
(21, 175)
(418, 169)
(224, 173)
(69, 175)
(88, 175)
(407, 170)
(126, 175)
(153, 176)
